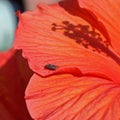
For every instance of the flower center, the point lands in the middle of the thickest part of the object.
(89, 39)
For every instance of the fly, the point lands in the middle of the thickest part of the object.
(50, 67)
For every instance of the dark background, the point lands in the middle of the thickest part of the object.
(17, 5)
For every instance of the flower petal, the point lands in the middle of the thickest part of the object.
(68, 97)
(12, 86)
(50, 36)
(5, 56)
(108, 13)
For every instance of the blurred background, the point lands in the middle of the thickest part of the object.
(9, 19)
(14, 70)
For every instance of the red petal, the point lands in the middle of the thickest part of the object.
(42, 45)
(66, 97)
(108, 13)
(5, 56)
(12, 86)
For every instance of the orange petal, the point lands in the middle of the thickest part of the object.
(50, 36)
(66, 97)
(108, 13)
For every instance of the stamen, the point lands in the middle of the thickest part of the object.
(88, 38)
(82, 35)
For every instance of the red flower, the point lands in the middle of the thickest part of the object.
(12, 86)
(73, 48)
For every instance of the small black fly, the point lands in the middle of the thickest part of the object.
(50, 67)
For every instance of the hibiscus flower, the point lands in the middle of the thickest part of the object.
(73, 49)
(14, 76)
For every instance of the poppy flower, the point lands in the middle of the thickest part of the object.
(73, 49)
(12, 86)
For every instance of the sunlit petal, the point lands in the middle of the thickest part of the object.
(66, 97)
(49, 36)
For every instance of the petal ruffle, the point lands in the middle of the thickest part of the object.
(108, 13)
(66, 97)
(43, 36)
